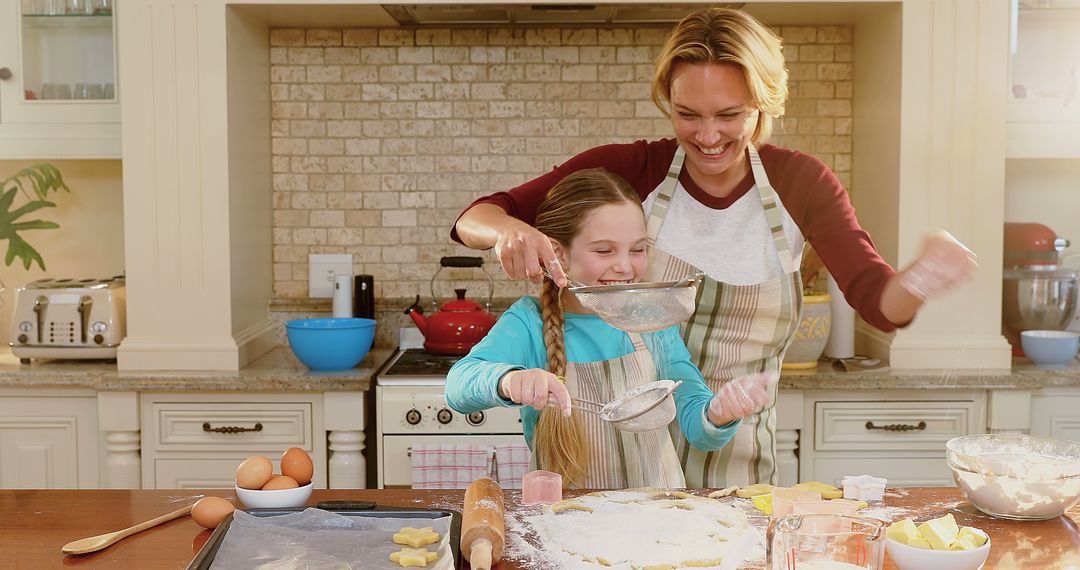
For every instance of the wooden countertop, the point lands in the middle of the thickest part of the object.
(35, 524)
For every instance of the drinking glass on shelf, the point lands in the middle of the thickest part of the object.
(103, 7)
(80, 7)
(109, 91)
(88, 91)
(55, 91)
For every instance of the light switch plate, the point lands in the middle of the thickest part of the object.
(322, 267)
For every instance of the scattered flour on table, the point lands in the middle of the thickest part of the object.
(628, 529)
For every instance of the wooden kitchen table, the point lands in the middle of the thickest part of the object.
(35, 524)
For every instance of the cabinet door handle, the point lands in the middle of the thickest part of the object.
(897, 427)
(5, 73)
(231, 429)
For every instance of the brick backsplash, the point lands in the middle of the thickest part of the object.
(381, 136)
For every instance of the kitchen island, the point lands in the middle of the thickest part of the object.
(37, 523)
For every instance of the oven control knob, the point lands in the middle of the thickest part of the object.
(412, 416)
(444, 416)
(475, 418)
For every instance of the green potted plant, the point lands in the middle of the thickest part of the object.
(22, 193)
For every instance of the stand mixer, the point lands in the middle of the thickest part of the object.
(1038, 293)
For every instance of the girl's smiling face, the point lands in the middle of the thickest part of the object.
(609, 248)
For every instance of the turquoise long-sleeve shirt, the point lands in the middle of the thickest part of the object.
(516, 342)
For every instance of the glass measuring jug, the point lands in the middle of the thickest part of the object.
(825, 542)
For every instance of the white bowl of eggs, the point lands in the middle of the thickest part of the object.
(258, 487)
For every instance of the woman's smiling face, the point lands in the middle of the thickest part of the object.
(713, 115)
(609, 247)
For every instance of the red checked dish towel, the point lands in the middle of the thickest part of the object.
(450, 466)
(511, 464)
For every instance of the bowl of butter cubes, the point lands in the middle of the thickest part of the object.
(937, 543)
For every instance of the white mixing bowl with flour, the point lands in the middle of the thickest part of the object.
(1017, 477)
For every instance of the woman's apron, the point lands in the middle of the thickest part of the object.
(618, 459)
(735, 330)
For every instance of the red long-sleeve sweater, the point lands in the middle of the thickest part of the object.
(809, 191)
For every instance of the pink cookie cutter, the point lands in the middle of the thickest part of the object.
(541, 487)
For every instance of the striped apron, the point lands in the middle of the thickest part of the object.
(735, 330)
(619, 459)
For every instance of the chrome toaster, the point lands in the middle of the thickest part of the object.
(69, 318)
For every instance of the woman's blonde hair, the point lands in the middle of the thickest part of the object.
(724, 35)
(559, 441)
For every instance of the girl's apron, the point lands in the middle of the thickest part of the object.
(618, 459)
(735, 330)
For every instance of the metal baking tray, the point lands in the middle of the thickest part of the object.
(205, 557)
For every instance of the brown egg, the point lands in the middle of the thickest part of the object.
(296, 463)
(254, 472)
(280, 482)
(210, 511)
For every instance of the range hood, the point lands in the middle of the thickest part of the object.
(530, 14)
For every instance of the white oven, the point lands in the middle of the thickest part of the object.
(410, 409)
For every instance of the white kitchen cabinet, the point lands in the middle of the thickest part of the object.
(1044, 80)
(196, 440)
(899, 435)
(1055, 412)
(58, 96)
(48, 439)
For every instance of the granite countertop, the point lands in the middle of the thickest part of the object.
(280, 371)
(830, 375)
(275, 371)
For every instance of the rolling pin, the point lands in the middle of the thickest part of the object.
(483, 527)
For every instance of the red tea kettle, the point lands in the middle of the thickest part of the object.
(459, 324)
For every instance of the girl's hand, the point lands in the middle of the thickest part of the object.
(741, 397)
(523, 251)
(534, 387)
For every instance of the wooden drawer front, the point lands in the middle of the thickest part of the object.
(179, 426)
(842, 426)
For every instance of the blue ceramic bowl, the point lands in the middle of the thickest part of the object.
(330, 344)
(1050, 348)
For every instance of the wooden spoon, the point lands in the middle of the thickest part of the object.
(95, 543)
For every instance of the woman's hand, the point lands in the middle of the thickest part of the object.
(741, 397)
(534, 387)
(524, 252)
(943, 263)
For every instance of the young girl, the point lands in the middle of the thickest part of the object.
(554, 349)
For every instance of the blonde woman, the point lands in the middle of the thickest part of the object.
(547, 349)
(720, 200)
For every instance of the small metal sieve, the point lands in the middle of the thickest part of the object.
(645, 408)
(641, 307)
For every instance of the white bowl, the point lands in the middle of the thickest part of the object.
(910, 558)
(274, 499)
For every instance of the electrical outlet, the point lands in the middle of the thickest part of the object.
(322, 268)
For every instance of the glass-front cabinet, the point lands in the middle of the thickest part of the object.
(58, 79)
(1044, 79)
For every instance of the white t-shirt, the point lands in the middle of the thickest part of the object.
(732, 245)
